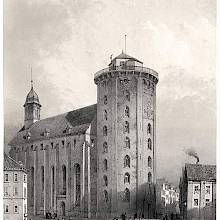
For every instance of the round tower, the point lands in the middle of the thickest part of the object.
(126, 137)
(31, 108)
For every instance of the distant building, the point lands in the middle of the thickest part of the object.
(167, 198)
(99, 160)
(15, 190)
(198, 192)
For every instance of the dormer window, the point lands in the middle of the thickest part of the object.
(46, 132)
(67, 130)
(27, 136)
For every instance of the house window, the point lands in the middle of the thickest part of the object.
(63, 143)
(149, 177)
(105, 147)
(126, 127)
(6, 191)
(25, 178)
(149, 129)
(149, 144)
(208, 189)
(149, 162)
(6, 208)
(105, 164)
(127, 195)
(127, 178)
(25, 192)
(6, 177)
(196, 202)
(105, 178)
(64, 179)
(105, 100)
(25, 208)
(127, 161)
(105, 115)
(105, 131)
(127, 95)
(16, 191)
(74, 143)
(15, 177)
(126, 111)
(16, 209)
(105, 196)
(127, 142)
(196, 189)
(207, 201)
(77, 185)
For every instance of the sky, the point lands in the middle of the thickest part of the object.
(66, 42)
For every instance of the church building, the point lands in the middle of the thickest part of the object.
(96, 161)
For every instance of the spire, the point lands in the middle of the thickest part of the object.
(125, 43)
(31, 79)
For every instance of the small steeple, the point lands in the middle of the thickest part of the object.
(32, 107)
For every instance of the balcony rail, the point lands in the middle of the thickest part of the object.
(127, 68)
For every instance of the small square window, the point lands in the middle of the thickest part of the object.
(6, 177)
(6, 208)
(196, 189)
(207, 201)
(15, 177)
(25, 178)
(6, 191)
(208, 190)
(16, 209)
(16, 191)
(196, 202)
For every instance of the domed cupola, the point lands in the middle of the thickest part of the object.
(32, 108)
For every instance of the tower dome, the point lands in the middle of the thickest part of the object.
(32, 97)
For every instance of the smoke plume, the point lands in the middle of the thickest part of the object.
(191, 152)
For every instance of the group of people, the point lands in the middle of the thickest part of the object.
(124, 217)
(50, 215)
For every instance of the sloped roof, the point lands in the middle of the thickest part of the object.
(125, 56)
(11, 164)
(77, 121)
(200, 172)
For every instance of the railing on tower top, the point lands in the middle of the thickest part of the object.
(127, 68)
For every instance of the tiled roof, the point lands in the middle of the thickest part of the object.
(11, 164)
(76, 122)
(200, 172)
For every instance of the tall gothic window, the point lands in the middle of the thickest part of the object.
(42, 185)
(127, 161)
(127, 178)
(105, 164)
(105, 178)
(64, 179)
(126, 111)
(149, 162)
(127, 95)
(127, 142)
(52, 185)
(105, 196)
(149, 179)
(105, 147)
(127, 195)
(32, 186)
(105, 115)
(77, 184)
(126, 127)
(105, 131)
(149, 144)
(149, 129)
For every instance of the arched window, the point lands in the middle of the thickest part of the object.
(126, 111)
(126, 127)
(105, 100)
(42, 185)
(127, 142)
(149, 144)
(105, 196)
(127, 195)
(127, 95)
(105, 147)
(105, 178)
(105, 164)
(149, 179)
(105, 130)
(149, 129)
(64, 179)
(52, 185)
(149, 162)
(127, 161)
(105, 115)
(77, 184)
(127, 178)
(32, 186)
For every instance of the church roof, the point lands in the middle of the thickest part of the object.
(200, 172)
(73, 122)
(125, 56)
(32, 97)
(11, 164)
